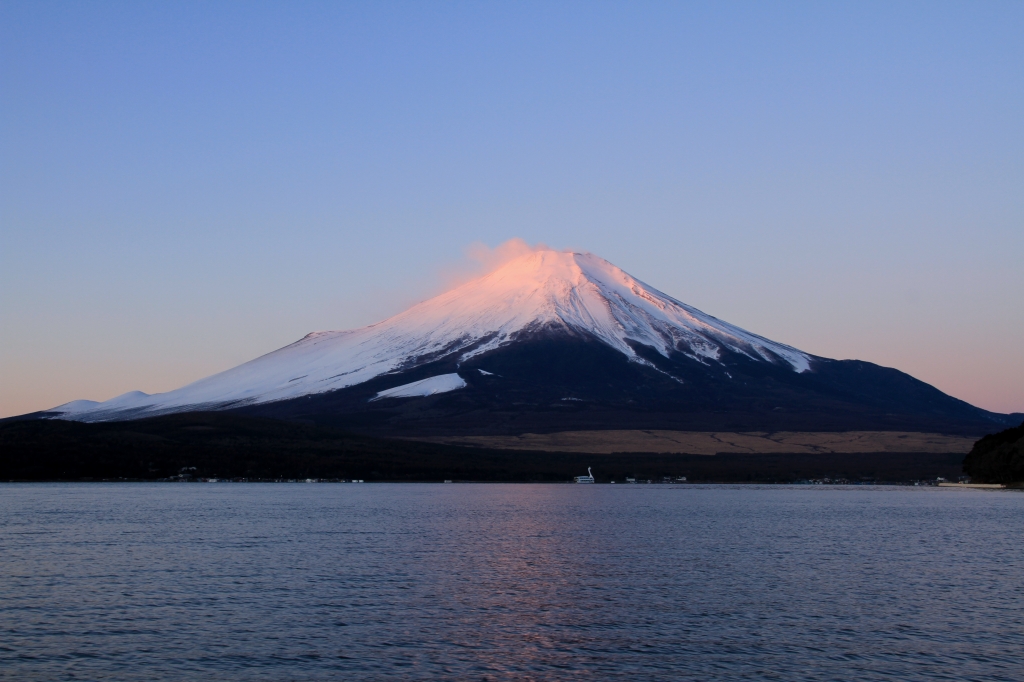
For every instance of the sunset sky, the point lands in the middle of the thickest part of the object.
(186, 186)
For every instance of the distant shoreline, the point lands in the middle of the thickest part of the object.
(235, 447)
(673, 484)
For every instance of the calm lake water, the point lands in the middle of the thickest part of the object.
(342, 581)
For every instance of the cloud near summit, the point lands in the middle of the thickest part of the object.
(488, 259)
(480, 259)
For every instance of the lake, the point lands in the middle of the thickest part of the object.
(298, 581)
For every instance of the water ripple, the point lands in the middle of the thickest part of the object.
(312, 582)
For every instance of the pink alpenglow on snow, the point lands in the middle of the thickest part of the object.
(577, 291)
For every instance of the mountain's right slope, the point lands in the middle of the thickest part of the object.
(557, 379)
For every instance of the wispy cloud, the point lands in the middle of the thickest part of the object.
(480, 259)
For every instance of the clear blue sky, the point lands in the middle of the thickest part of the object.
(186, 186)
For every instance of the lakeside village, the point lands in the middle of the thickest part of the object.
(187, 475)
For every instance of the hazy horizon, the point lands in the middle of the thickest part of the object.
(187, 187)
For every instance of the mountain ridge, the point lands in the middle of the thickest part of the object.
(554, 340)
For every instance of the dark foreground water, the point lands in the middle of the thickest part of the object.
(329, 581)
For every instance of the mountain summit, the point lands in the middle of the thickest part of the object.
(553, 340)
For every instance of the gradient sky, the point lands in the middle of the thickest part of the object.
(184, 187)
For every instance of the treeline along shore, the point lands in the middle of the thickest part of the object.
(997, 458)
(231, 446)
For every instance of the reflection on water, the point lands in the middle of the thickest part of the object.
(278, 581)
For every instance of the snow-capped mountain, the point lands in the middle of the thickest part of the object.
(542, 289)
(556, 341)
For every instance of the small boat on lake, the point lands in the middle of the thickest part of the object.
(589, 478)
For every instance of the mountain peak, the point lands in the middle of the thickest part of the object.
(592, 296)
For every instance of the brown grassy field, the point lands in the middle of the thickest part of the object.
(713, 442)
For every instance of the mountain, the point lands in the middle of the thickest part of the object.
(553, 341)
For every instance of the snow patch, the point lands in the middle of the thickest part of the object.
(424, 387)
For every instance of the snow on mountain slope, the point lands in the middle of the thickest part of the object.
(578, 291)
(439, 384)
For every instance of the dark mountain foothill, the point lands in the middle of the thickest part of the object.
(232, 446)
(997, 458)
